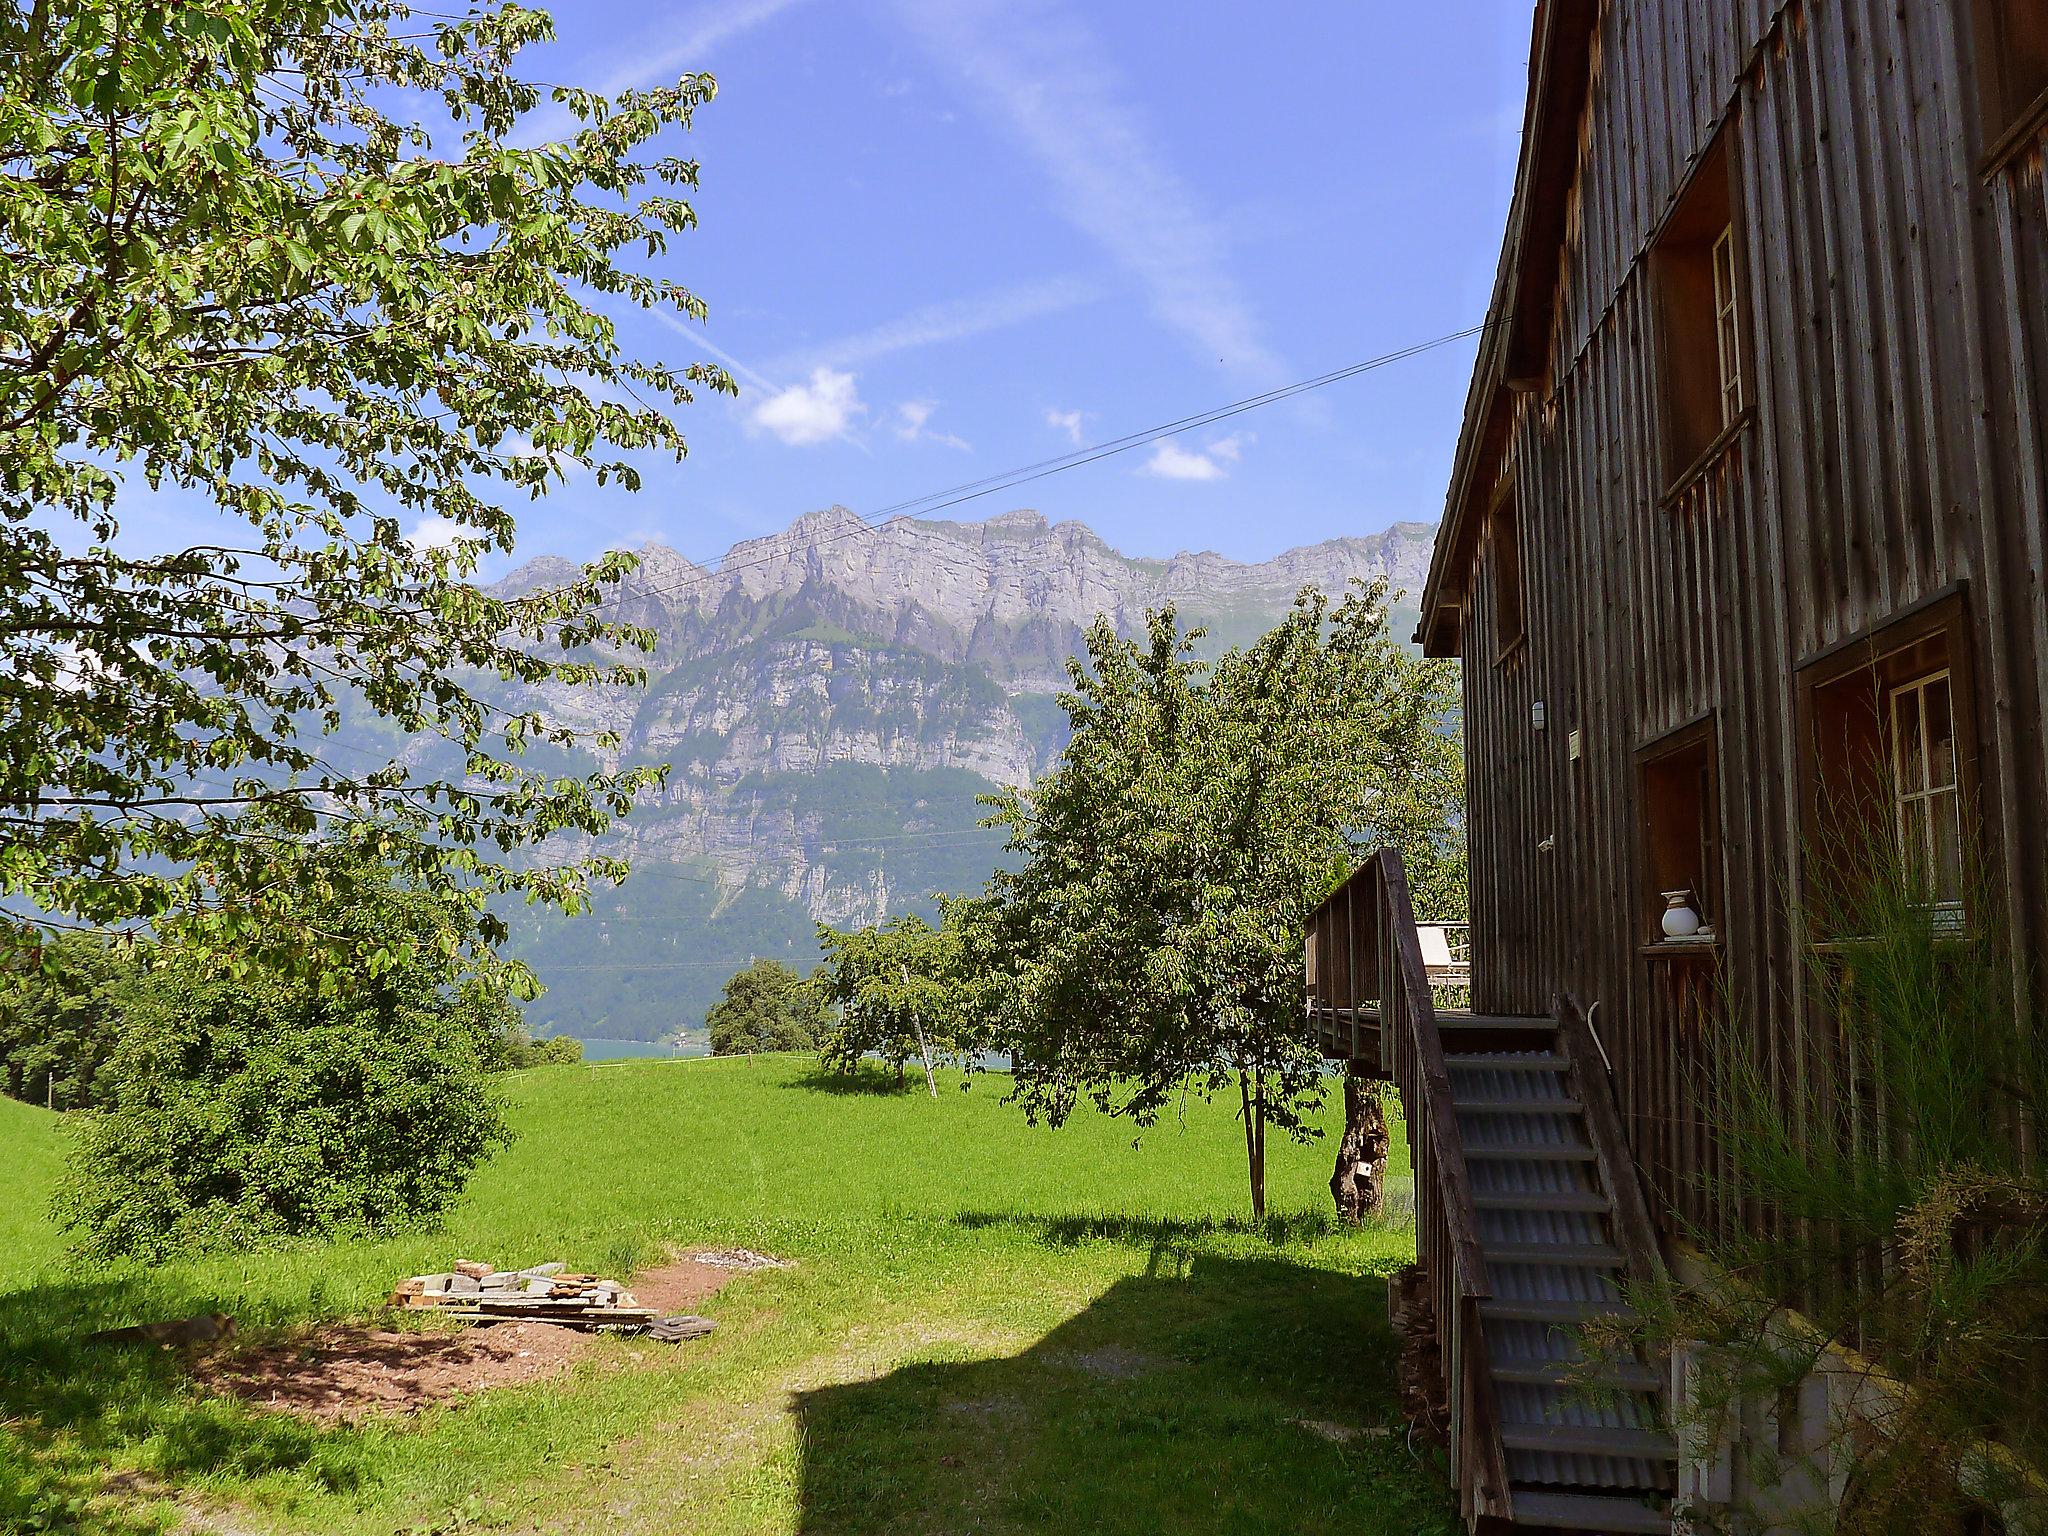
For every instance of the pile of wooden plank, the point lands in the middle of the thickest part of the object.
(546, 1293)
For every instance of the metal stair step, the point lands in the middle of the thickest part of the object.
(1590, 1440)
(1510, 1152)
(1563, 1313)
(1578, 1255)
(1543, 1510)
(1496, 1022)
(1508, 1061)
(1623, 1375)
(1516, 1106)
(1556, 1200)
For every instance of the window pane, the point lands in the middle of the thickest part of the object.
(1913, 852)
(1941, 736)
(1945, 812)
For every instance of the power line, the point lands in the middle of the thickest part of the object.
(974, 490)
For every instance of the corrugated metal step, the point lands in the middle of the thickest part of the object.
(1564, 1313)
(1516, 1106)
(1510, 1152)
(1508, 1061)
(1578, 1255)
(1545, 1511)
(1590, 1440)
(1622, 1375)
(1554, 1200)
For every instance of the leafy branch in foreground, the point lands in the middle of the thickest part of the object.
(234, 276)
(1149, 943)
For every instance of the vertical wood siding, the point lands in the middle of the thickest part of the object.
(1896, 333)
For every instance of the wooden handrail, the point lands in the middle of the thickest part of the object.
(1461, 1216)
(1632, 1224)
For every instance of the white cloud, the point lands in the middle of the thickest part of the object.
(949, 320)
(1069, 422)
(1171, 461)
(812, 412)
(1042, 73)
(437, 533)
(911, 424)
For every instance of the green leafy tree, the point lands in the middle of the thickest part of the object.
(1148, 944)
(517, 1050)
(904, 993)
(766, 1007)
(244, 1106)
(60, 1020)
(233, 274)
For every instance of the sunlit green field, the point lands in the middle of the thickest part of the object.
(985, 1326)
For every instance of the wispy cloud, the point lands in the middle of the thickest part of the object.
(1174, 461)
(912, 424)
(950, 320)
(1040, 71)
(1069, 422)
(813, 412)
(660, 55)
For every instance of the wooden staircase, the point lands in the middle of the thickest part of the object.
(1529, 1222)
(1584, 1440)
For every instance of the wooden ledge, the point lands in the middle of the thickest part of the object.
(1707, 462)
(1681, 949)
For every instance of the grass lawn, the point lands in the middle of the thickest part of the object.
(984, 1326)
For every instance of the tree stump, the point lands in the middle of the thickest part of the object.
(1359, 1184)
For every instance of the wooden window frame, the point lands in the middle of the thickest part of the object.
(2007, 125)
(1700, 292)
(1945, 613)
(1728, 325)
(1701, 739)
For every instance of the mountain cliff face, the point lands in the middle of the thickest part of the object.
(831, 699)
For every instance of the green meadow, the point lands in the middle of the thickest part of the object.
(982, 1326)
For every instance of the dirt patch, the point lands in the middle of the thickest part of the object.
(348, 1372)
(682, 1284)
(351, 1371)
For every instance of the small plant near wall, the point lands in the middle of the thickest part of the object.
(1899, 1203)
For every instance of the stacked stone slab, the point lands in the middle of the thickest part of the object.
(545, 1292)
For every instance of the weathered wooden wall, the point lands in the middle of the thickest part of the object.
(1897, 328)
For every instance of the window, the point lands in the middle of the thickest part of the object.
(1510, 624)
(1681, 812)
(1727, 328)
(1925, 783)
(2012, 73)
(1698, 273)
(1890, 733)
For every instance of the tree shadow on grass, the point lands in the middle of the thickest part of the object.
(1279, 1228)
(869, 1080)
(1208, 1394)
(92, 1435)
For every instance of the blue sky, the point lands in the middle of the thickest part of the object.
(940, 238)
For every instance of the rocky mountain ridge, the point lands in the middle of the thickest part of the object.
(831, 700)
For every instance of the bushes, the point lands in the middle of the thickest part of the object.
(242, 1110)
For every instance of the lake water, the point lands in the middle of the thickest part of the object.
(649, 1050)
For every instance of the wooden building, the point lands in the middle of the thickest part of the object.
(1750, 496)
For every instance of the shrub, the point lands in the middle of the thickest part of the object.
(243, 1110)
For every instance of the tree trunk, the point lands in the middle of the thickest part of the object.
(1252, 1092)
(1360, 1181)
